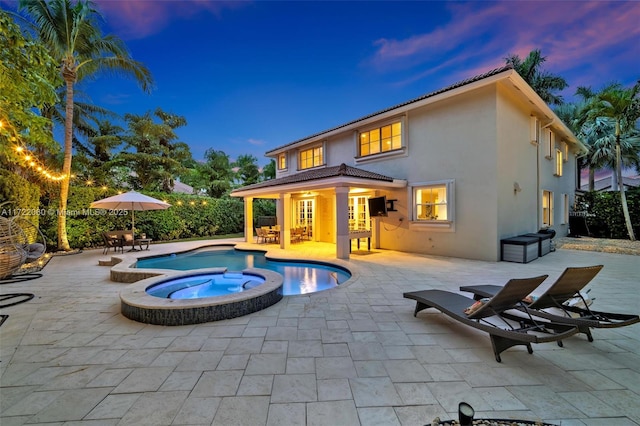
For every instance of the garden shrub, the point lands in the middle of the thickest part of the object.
(189, 216)
(605, 219)
(19, 197)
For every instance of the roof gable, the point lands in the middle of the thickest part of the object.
(412, 101)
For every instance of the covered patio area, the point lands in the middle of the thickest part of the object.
(330, 203)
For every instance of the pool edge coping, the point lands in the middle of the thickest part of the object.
(123, 271)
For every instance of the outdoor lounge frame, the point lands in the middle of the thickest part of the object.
(520, 329)
(566, 287)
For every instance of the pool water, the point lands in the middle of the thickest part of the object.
(205, 285)
(299, 277)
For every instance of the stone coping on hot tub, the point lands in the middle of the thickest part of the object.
(138, 305)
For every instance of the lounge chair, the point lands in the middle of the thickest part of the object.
(552, 304)
(111, 240)
(506, 329)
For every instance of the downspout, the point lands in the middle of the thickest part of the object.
(539, 189)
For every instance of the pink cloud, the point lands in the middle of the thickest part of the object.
(570, 35)
(138, 19)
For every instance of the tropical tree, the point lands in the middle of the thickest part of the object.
(95, 159)
(72, 33)
(28, 78)
(622, 106)
(158, 157)
(217, 172)
(543, 82)
(248, 171)
(269, 171)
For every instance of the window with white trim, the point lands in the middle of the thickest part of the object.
(565, 151)
(547, 208)
(312, 157)
(282, 161)
(559, 161)
(381, 139)
(433, 202)
(534, 130)
(550, 143)
(565, 208)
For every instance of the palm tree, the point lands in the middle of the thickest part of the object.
(95, 159)
(158, 157)
(72, 34)
(544, 83)
(622, 106)
(248, 170)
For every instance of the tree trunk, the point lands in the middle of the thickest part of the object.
(623, 197)
(592, 179)
(63, 242)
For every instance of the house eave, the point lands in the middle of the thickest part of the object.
(508, 74)
(320, 184)
(393, 112)
(541, 108)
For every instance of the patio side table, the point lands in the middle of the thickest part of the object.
(145, 241)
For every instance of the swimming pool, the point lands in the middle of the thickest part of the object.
(299, 277)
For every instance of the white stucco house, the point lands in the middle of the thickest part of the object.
(461, 169)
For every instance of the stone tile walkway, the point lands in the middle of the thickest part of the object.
(354, 355)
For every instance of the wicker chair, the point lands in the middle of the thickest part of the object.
(12, 255)
(31, 239)
(21, 243)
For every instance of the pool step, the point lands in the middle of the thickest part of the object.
(111, 262)
(233, 275)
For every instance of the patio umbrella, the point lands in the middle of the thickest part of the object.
(131, 200)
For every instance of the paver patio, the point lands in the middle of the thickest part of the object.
(347, 356)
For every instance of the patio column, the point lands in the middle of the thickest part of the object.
(283, 211)
(248, 219)
(342, 222)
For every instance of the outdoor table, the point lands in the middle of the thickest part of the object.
(141, 241)
(356, 235)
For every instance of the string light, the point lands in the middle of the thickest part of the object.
(29, 158)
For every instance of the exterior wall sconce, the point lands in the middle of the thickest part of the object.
(516, 188)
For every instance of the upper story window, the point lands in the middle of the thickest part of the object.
(282, 161)
(559, 161)
(535, 130)
(381, 139)
(312, 157)
(565, 151)
(550, 144)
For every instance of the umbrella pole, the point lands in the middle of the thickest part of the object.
(133, 232)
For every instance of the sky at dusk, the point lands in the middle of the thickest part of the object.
(251, 76)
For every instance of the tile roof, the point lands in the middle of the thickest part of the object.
(420, 98)
(604, 184)
(316, 174)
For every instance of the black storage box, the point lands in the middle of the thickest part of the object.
(519, 249)
(544, 242)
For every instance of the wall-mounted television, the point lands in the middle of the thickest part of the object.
(377, 206)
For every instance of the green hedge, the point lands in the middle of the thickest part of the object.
(19, 197)
(605, 219)
(189, 216)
